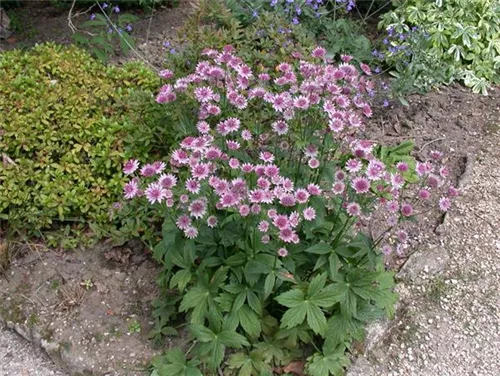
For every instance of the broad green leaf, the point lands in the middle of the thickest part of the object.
(294, 316)
(292, 298)
(232, 339)
(316, 319)
(320, 249)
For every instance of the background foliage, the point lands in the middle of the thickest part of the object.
(439, 42)
(62, 134)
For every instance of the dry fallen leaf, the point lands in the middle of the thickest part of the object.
(296, 367)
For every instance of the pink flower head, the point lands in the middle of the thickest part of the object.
(309, 213)
(353, 209)
(191, 232)
(444, 204)
(392, 206)
(281, 221)
(346, 58)
(255, 209)
(311, 151)
(360, 185)
(318, 52)
(244, 210)
(375, 169)
(266, 156)
(338, 188)
(184, 199)
(366, 69)
(200, 171)
(234, 163)
(272, 213)
(386, 249)
(406, 210)
(287, 235)
(130, 189)
(148, 170)
(444, 172)
(436, 155)
(203, 127)
(212, 221)
(265, 239)
(167, 181)
(453, 192)
(203, 94)
(232, 145)
(154, 193)
(198, 208)
(402, 236)
(353, 165)
(314, 189)
(263, 226)
(397, 181)
(280, 127)
(339, 175)
(302, 195)
(271, 171)
(313, 163)
(166, 74)
(433, 181)
(282, 252)
(336, 125)
(402, 166)
(183, 222)
(424, 194)
(193, 186)
(287, 199)
(246, 135)
(130, 166)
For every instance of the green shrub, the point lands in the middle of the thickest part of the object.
(62, 130)
(435, 42)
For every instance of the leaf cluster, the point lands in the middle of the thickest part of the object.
(62, 129)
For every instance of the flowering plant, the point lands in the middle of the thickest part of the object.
(268, 208)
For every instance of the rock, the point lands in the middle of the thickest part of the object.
(361, 367)
(5, 31)
(423, 264)
(375, 332)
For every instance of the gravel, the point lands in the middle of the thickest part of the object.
(448, 323)
(20, 358)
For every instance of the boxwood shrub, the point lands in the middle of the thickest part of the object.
(61, 134)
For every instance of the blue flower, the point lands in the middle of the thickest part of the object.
(255, 14)
(116, 9)
(386, 41)
(129, 28)
(92, 17)
(377, 70)
(386, 103)
(166, 44)
(104, 6)
(110, 30)
(295, 20)
(350, 6)
(273, 3)
(173, 51)
(298, 10)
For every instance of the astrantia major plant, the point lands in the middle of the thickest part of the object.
(268, 207)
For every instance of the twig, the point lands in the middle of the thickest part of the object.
(125, 40)
(431, 142)
(70, 16)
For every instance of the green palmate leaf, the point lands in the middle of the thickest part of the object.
(180, 279)
(320, 248)
(249, 321)
(294, 316)
(330, 295)
(202, 333)
(292, 298)
(326, 365)
(316, 319)
(232, 339)
(174, 363)
(293, 335)
(316, 284)
(269, 285)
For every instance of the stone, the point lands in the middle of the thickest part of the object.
(5, 31)
(424, 263)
